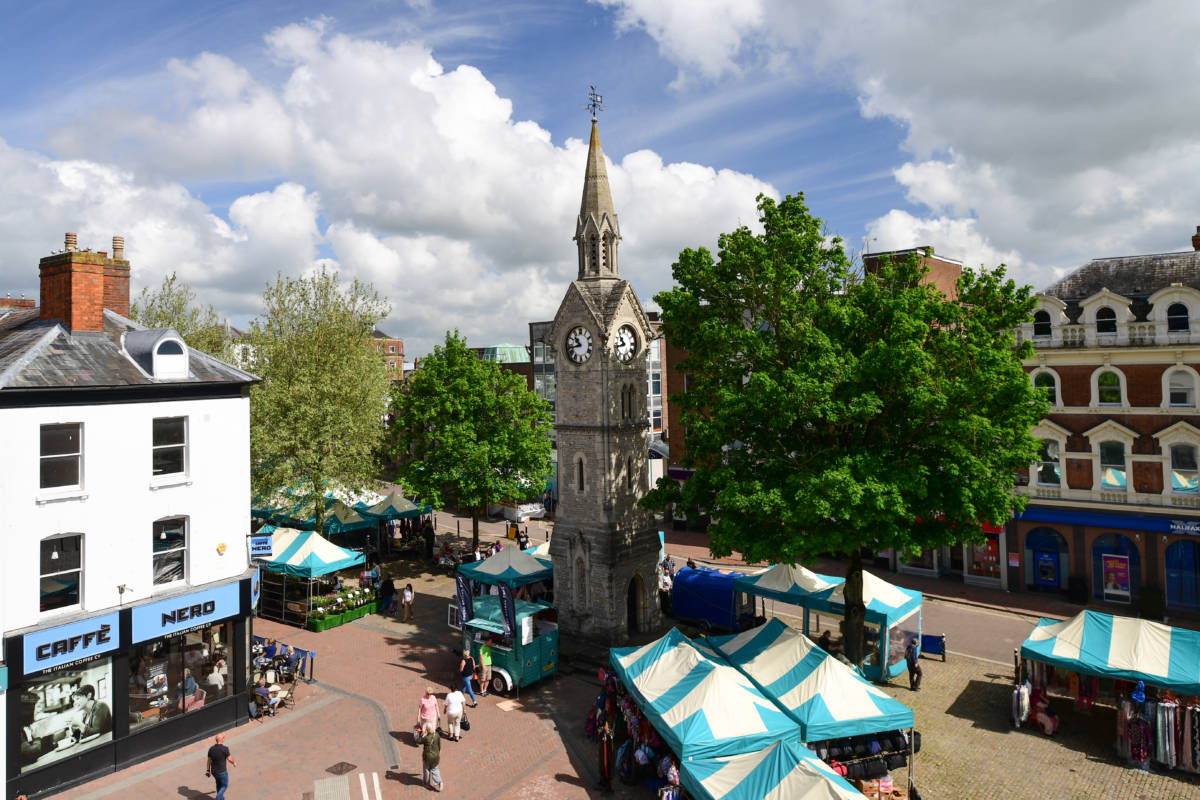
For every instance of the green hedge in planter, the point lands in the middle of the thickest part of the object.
(324, 623)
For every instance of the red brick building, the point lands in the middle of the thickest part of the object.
(1115, 497)
(393, 353)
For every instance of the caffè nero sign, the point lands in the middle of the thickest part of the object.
(76, 641)
(185, 612)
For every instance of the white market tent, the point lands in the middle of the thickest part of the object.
(307, 554)
(895, 611)
(511, 566)
(825, 697)
(1119, 647)
(783, 771)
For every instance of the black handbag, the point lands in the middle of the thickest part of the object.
(466, 723)
(876, 768)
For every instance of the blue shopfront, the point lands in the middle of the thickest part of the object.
(1111, 556)
(97, 693)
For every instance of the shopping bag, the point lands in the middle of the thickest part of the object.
(466, 723)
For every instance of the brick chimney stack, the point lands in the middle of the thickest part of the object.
(77, 285)
(1196, 239)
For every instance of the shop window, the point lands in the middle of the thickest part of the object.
(62, 572)
(656, 419)
(983, 560)
(61, 456)
(170, 445)
(64, 712)
(1048, 471)
(1049, 387)
(1181, 389)
(1106, 320)
(1041, 324)
(1184, 476)
(170, 550)
(179, 674)
(1177, 318)
(922, 560)
(1116, 568)
(1183, 576)
(1112, 465)
(1108, 386)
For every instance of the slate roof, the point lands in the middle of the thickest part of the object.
(42, 354)
(1135, 277)
(1131, 276)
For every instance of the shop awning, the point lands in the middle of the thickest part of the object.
(701, 706)
(1119, 647)
(824, 696)
(511, 566)
(781, 771)
(307, 554)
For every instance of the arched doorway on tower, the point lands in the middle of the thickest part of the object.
(635, 604)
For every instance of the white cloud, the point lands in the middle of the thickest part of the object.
(373, 157)
(1046, 137)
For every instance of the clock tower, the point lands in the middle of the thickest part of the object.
(604, 549)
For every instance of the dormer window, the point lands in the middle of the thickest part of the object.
(1177, 318)
(170, 359)
(1106, 320)
(1041, 324)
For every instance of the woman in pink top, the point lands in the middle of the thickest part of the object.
(427, 718)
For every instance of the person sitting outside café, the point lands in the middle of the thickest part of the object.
(271, 699)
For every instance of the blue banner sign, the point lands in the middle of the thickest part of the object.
(185, 612)
(262, 546)
(255, 588)
(466, 605)
(508, 611)
(77, 641)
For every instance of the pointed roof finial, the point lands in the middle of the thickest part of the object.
(594, 103)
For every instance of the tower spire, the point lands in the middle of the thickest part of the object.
(596, 229)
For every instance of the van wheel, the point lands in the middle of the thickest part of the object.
(499, 685)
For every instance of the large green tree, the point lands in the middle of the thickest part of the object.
(829, 410)
(317, 418)
(464, 427)
(174, 305)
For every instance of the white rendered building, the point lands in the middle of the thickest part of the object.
(125, 487)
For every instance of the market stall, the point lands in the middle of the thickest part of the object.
(512, 567)
(782, 770)
(828, 699)
(1150, 670)
(893, 614)
(292, 587)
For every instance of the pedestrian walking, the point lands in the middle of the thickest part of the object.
(406, 601)
(466, 671)
(387, 596)
(485, 666)
(605, 755)
(431, 757)
(218, 756)
(427, 712)
(911, 655)
(454, 707)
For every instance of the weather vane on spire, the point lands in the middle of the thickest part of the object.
(594, 103)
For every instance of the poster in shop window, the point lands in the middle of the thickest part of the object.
(1116, 578)
(64, 712)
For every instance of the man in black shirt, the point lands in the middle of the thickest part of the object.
(218, 754)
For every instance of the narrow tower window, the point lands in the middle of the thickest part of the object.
(579, 474)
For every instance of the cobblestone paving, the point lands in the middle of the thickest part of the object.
(969, 751)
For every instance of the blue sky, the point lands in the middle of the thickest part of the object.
(436, 148)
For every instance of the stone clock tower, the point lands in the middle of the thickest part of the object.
(603, 547)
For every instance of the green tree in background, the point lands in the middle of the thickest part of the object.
(464, 427)
(828, 411)
(317, 418)
(174, 305)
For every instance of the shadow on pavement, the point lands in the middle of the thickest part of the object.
(986, 705)
(192, 794)
(405, 778)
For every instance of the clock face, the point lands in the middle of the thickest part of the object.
(625, 343)
(579, 344)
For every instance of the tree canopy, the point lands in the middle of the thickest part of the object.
(829, 410)
(464, 427)
(174, 305)
(317, 418)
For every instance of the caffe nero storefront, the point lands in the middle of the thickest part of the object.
(97, 694)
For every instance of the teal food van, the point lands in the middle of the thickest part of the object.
(527, 657)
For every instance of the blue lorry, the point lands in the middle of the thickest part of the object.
(705, 597)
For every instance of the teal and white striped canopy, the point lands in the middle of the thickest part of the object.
(1119, 647)
(307, 554)
(824, 696)
(781, 771)
(512, 566)
(700, 705)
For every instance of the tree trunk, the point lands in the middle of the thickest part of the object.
(855, 610)
(474, 528)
